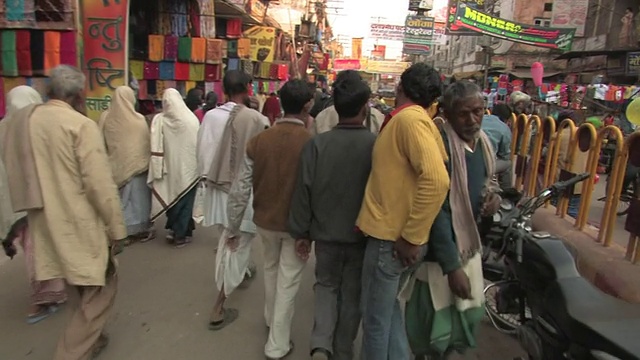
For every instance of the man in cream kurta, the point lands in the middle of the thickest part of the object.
(80, 216)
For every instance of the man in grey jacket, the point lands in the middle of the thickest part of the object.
(333, 173)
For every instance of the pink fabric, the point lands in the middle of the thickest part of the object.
(68, 54)
(43, 292)
(199, 114)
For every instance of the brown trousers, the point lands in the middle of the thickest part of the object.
(89, 319)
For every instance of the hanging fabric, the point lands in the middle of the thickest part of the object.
(143, 92)
(151, 71)
(156, 47)
(221, 28)
(233, 64)
(214, 51)
(212, 72)
(171, 48)
(68, 54)
(247, 66)
(51, 50)
(37, 52)
(167, 70)
(198, 50)
(234, 28)
(184, 49)
(23, 52)
(137, 69)
(9, 53)
(218, 89)
(232, 48)
(182, 71)
(160, 88)
(196, 72)
(244, 48)
(152, 88)
(225, 47)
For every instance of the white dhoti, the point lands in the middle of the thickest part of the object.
(231, 266)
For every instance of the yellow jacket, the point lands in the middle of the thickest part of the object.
(408, 181)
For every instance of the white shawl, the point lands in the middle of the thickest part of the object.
(173, 171)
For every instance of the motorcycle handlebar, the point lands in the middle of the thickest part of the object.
(563, 185)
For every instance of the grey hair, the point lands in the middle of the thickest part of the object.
(457, 91)
(65, 82)
(518, 96)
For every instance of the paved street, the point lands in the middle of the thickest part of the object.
(163, 304)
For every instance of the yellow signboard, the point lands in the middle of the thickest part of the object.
(263, 40)
(356, 48)
(387, 67)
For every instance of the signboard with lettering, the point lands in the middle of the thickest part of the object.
(417, 5)
(418, 35)
(263, 40)
(387, 67)
(356, 48)
(105, 43)
(346, 64)
(633, 63)
(257, 9)
(387, 32)
(478, 21)
(452, 27)
(439, 33)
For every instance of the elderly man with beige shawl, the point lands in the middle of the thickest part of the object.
(126, 137)
(222, 141)
(173, 170)
(45, 295)
(59, 173)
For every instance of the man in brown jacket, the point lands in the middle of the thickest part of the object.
(270, 168)
(59, 173)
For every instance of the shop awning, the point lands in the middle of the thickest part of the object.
(526, 73)
(580, 54)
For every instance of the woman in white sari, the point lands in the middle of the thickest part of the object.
(126, 136)
(45, 295)
(173, 171)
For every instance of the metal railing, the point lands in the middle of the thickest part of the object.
(527, 152)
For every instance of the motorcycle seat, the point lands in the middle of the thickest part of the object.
(594, 319)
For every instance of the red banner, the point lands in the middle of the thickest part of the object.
(104, 27)
(346, 64)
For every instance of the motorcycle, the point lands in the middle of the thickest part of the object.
(538, 295)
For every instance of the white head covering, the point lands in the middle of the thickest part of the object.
(20, 97)
(518, 96)
(17, 99)
(174, 110)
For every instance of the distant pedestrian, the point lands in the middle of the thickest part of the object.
(127, 138)
(59, 172)
(270, 168)
(210, 103)
(334, 169)
(222, 140)
(46, 295)
(173, 170)
(194, 100)
(272, 109)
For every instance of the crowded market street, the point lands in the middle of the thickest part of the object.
(164, 299)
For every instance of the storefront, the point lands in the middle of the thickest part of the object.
(173, 44)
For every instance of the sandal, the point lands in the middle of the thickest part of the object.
(150, 235)
(228, 316)
(45, 312)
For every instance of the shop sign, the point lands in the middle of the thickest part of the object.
(418, 35)
(346, 64)
(387, 67)
(570, 14)
(499, 62)
(256, 9)
(417, 5)
(263, 40)
(356, 48)
(439, 33)
(387, 32)
(452, 27)
(105, 44)
(480, 22)
(633, 63)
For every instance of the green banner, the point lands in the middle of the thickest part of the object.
(484, 23)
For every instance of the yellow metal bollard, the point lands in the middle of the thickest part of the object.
(568, 124)
(595, 144)
(536, 154)
(515, 131)
(550, 125)
(607, 222)
(523, 151)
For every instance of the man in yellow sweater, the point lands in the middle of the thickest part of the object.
(406, 189)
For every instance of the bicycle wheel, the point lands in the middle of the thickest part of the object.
(623, 205)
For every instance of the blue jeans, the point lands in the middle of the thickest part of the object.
(384, 335)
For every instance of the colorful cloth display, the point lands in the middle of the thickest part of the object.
(151, 70)
(51, 50)
(234, 28)
(68, 48)
(23, 52)
(37, 52)
(182, 71)
(244, 48)
(170, 48)
(167, 70)
(9, 53)
(137, 69)
(232, 49)
(214, 51)
(196, 72)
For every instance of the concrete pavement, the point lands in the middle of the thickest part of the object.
(165, 296)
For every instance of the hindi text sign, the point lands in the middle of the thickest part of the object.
(633, 63)
(418, 35)
(105, 46)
